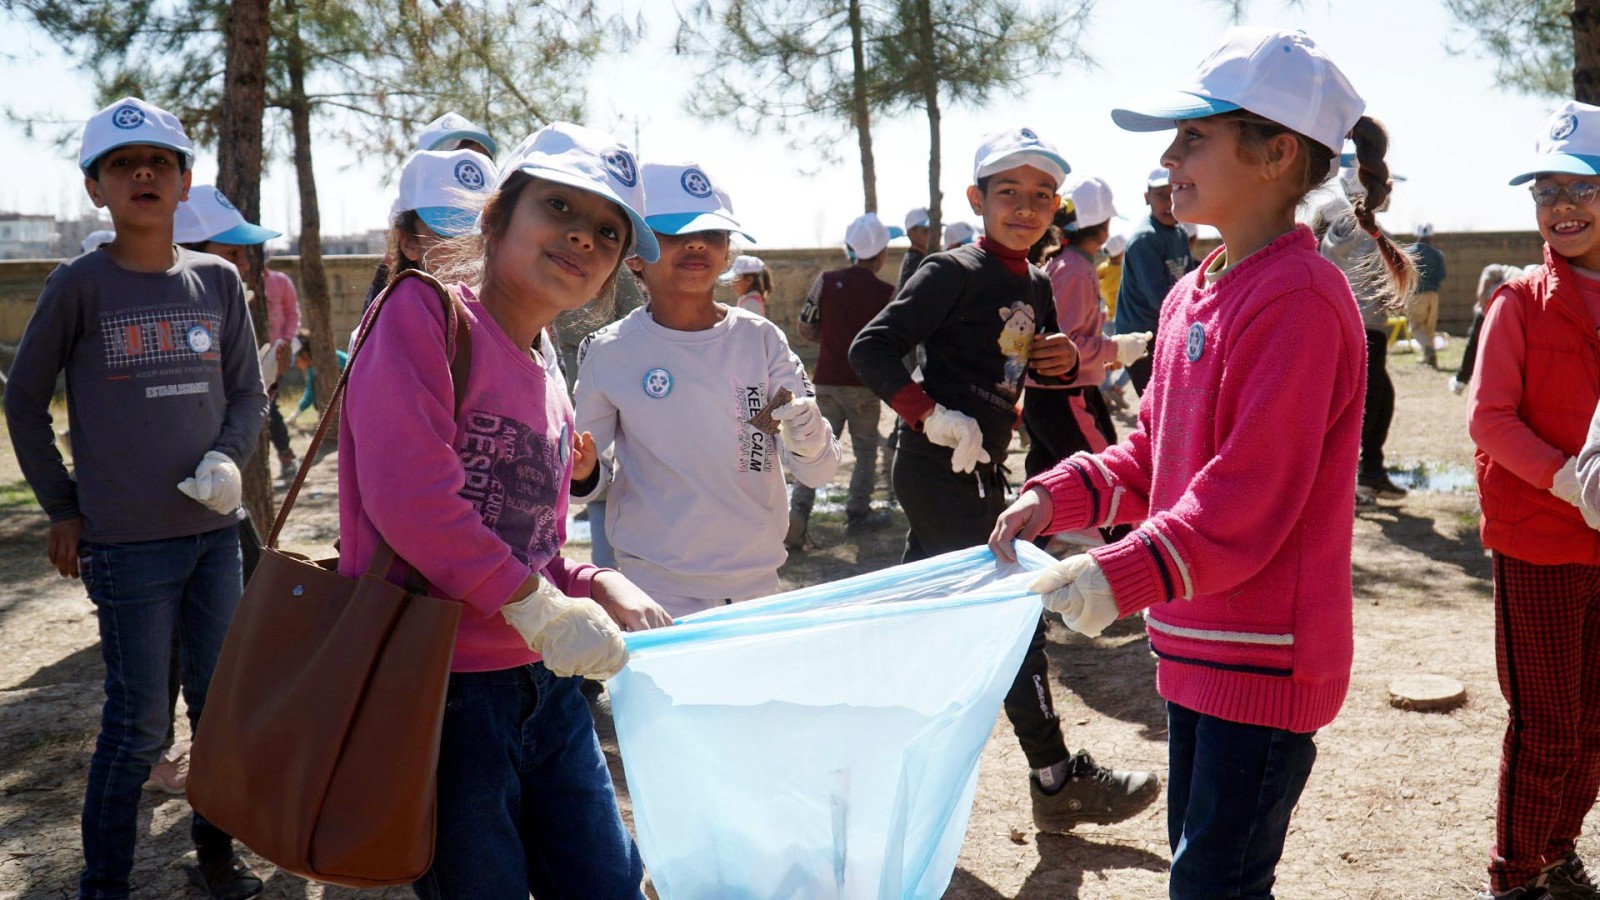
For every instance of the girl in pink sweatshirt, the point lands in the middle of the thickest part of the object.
(474, 499)
(1242, 470)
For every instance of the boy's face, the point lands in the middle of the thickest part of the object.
(1570, 230)
(235, 253)
(140, 185)
(1017, 207)
(689, 265)
(918, 235)
(1160, 200)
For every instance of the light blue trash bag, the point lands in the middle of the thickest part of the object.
(824, 742)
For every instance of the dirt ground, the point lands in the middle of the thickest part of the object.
(1400, 805)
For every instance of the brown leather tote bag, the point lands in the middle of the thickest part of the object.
(319, 742)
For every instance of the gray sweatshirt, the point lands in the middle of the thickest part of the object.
(1350, 248)
(161, 367)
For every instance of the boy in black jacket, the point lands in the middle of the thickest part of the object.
(980, 317)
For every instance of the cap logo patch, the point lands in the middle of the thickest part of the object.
(222, 199)
(1027, 134)
(1563, 127)
(469, 175)
(657, 383)
(620, 164)
(127, 117)
(696, 183)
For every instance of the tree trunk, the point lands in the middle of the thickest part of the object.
(244, 102)
(314, 302)
(1586, 51)
(861, 113)
(930, 101)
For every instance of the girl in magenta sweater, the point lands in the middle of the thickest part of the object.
(1242, 470)
(476, 501)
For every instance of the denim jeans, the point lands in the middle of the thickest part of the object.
(525, 800)
(1230, 792)
(142, 593)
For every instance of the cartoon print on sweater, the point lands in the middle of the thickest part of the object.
(514, 477)
(1016, 339)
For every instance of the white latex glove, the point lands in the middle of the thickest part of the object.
(801, 427)
(267, 356)
(1132, 347)
(1565, 486)
(215, 483)
(573, 634)
(1456, 387)
(1077, 589)
(961, 433)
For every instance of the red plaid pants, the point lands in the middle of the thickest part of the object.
(1547, 650)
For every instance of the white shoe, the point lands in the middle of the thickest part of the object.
(1456, 387)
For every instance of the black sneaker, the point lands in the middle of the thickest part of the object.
(1569, 880)
(872, 518)
(1092, 793)
(795, 539)
(1382, 486)
(228, 879)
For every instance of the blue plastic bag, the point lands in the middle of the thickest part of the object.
(824, 742)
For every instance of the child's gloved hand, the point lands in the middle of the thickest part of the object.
(801, 427)
(1132, 347)
(1455, 385)
(1077, 589)
(1565, 486)
(573, 634)
(268, 356)
(215, 483)
(961, 433)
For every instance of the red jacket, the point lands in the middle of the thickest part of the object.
(1536, 388)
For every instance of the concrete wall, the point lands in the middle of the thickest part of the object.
(792, 272)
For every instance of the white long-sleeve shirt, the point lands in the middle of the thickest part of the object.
(697, 505)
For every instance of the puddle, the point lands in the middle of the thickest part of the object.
(1431, 475)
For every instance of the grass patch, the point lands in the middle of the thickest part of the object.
(16, 495)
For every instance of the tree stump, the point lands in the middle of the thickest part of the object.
(1426, 693)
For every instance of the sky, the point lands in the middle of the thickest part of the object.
(1455, 135)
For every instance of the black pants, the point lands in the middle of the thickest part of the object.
(1054, 428)
(947, 513)
(1469, 362)
(278, 432)
(1379, 410)
(1139, 369)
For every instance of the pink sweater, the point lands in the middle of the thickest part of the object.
(283, 307)
(1076, 286)
(1243, 474)
(475, 504)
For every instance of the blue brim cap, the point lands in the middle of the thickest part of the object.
(691, 222)
(1561, 164)
(895, 231)
(1163, 112)
(246, 235)
(477, 137)
(1348, 161)
(447, 221)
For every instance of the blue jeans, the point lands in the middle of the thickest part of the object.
(600, 550)
(143, 593)
(525, 800)
(1230, 792)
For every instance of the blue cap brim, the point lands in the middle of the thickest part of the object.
(1165, 111)
(895, 231)
(691, 222)
(477, 137)
(1561, 164)
(447, 221)
(644, 246)
(246, 235)
(1348, 161)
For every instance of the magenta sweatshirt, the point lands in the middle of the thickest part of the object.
(1242, 472)
(475, 503)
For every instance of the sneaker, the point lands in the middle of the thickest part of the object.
(289, 470)
(1365, 496)
(795, 538)
(1569, 880)
(1455, 385)
(1092, 793)
(1382, 486)
(872, 518)
(229, 879)
(170, 774)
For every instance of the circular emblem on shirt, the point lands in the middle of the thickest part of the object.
(1195, 344)
(222, 199)
(127, 117)
(1563, 127)
(619, 163)
(657, 383)
(199, 339)
(469, 175)
(695, 183)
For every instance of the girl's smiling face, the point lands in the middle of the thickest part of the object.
(689, 265)
(560, 247)
(1570, 229)
(1207, 171)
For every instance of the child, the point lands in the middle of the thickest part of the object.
(453, 131)
(957, 234)
(476, 504)
(752, 284)
(302, 361)
(696, 513)
(1241, 469)
(208, 222)
(982, 317)
(440, 191)
(917, 233)
(1109, 272)
(1157, 255)
(838, 305)
(1529, 413)
(1423, 309)
(165, 402)
(1489, 281)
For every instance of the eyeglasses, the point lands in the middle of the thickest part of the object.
(1581, 193)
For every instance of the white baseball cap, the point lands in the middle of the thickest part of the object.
(748, 265)
(865, 237)
(208, 215)
(1568, 144)
(958, 233)
(591, 161)
(1002, 150)
(1158, 178)
(1424, 229)
(1116, 243)
(94, 239)
(680, 198)
(917, 218)
(132, 121)
(1280, 75)
(447, 188)
(1091, 202)
(449, 130)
